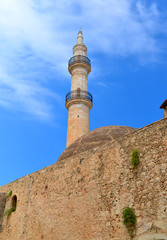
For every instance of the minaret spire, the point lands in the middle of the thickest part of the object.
(80, 38)
(79, 100)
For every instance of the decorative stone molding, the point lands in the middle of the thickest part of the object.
(79, 101)
(81, 64)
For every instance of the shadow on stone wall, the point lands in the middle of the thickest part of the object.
(2, 207)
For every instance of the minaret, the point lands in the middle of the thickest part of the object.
(79, 100)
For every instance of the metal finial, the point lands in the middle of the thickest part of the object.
(80, 31)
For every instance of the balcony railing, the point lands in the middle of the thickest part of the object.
(79, 58)
(79, 94)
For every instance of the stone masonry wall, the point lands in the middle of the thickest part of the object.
(2, 207)
(82, 197)
(144, 189)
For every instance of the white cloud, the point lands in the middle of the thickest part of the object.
(26, 95)
(120, 29)
(37, 37)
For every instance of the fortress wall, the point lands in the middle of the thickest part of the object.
(2, 207)
(82, 197)
(144, 189)
(59, 202)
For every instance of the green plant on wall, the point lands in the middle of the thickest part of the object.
(9, 194)
(9, 211)
(129, 220)
(135, 158)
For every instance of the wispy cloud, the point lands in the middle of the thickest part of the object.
(37, 36)
(122, 28)
(22, 95)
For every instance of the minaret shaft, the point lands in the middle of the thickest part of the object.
(78, 101)
(79, 79)
(78, 122)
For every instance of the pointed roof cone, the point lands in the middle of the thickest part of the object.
(80, 38)
(164, 106)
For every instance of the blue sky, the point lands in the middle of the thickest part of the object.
(127, 45)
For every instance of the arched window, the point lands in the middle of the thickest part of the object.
(14, 202)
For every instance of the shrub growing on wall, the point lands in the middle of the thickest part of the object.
(9, 194)
(135, 158)
(129, 220)
(9, 211)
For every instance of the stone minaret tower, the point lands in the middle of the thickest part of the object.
(79, 100)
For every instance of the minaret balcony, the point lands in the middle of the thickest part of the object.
(79, 96)
(84, 61)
